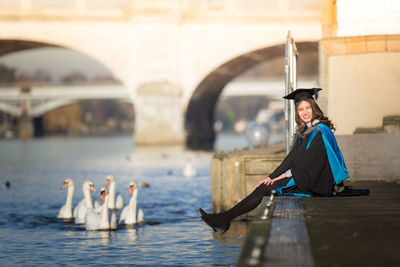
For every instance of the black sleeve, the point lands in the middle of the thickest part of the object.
(311, 170)
(285, 165)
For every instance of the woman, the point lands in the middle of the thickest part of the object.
(314, 166)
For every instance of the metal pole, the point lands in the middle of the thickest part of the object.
(290, 103)
(287, 91)
(290, 85)
(293, 86)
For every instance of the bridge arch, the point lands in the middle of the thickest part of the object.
(199, 117)
(32, 103)
(10, 46)
(17, 44)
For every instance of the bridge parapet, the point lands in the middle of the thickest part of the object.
(160, 9)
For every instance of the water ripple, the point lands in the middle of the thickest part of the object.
(173, 235)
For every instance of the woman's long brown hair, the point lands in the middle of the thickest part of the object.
(317, 114)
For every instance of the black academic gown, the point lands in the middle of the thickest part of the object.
(310, 167)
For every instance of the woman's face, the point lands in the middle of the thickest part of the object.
(305, 111)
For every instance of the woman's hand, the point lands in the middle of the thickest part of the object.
(265, 181)
(269, 181)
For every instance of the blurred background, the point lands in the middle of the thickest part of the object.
(199, 73)
(188, 72)
(148, 90)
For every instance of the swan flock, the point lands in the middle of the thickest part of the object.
(95, 216)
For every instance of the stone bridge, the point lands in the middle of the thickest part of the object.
(174, 57)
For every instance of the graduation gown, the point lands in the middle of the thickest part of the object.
(316, 164)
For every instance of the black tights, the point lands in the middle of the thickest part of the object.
(251, 201)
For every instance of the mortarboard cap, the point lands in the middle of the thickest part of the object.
(301, 94)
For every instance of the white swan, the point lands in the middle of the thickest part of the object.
(65, 211)
(103, 220)
(189, 170)
(128, 214)
(85, 203)
(114, 202)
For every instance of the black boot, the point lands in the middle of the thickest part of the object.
(217, 222)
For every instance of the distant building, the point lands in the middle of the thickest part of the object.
(359, 62)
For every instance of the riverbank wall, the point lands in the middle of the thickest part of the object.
(234, 175)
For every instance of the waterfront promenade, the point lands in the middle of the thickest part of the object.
(318, 231)
(329, 231)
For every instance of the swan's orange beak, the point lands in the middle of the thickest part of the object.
(92, 188)
(103, 193)
(65, 185)
(108, 183)
(131, 189)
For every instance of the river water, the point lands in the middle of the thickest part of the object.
(173, 234)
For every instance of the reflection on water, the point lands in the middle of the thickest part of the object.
(30, 234)
(233, 238)
(132, 235)
(93, 237)
(237, 231)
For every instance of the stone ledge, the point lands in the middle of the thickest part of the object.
(234, 175)
(280, 238)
